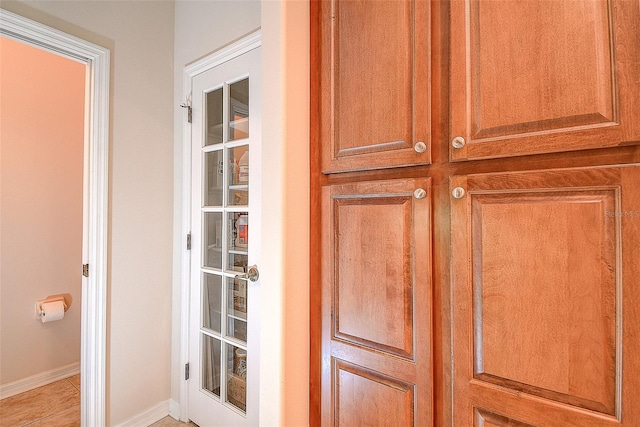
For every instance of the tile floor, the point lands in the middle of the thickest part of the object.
(54, 405)
(170, 422)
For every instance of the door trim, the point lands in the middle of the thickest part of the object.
(227, 53)
(95, 199)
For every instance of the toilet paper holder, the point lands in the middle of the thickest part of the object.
(65, 298)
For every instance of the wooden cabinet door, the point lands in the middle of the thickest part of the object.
(546, 318)
(376, 304)
(374, 84)
(541, 76)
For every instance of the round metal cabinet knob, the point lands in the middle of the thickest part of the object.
(458, 142)
(458, 193)
(420, 147)
(420, 193)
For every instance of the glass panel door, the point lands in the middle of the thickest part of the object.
(225, 238)
(224, 323)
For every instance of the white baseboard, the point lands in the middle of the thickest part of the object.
(148, 417)
(38, 380)
(174, 409)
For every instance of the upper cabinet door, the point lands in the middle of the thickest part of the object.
(374, 84)
(538, 76)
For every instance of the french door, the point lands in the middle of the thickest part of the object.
(225, 216)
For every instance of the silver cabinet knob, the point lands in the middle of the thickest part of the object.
(252, 274)
(420, 193)
(420, 147)
(458, 142)
(458, 193)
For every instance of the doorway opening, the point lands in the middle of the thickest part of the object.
(94, 199)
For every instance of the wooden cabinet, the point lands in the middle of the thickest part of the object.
(376, 300)
(540, 76)
(544, 274)
(515, 303)
(374, 87)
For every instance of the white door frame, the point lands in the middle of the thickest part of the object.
(216, 58)
(95, 199)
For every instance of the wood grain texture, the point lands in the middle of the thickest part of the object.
(541, 287)
(538, 76)
(365, 237)
(545, 284)
(364, 397)
(487, 419)
(502, 170)
(376, 300)
(375, 83)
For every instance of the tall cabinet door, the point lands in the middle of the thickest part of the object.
(545, 278)
(374, 84)
(376, 304)
(541, 76)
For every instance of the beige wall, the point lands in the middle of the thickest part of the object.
(140, 37)
(41, 155)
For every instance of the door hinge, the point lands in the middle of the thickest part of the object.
(188, 241)
(85, 270)
(189, 114)
(186, 371)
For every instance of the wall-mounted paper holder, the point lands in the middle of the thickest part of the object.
(65, 298)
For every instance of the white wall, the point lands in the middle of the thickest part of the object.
(285, 300)
(140, 37)
(41, 146)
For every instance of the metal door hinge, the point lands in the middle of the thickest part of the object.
(189, 111)
(189, 241)
(186, 371)
(85, 270)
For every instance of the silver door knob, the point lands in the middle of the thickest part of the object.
(458, 193)
(252, 274)
(420, 147)
(458, 142)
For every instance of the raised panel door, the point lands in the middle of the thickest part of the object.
(376, 303)
(544, 276)
(539, 76)
(374, 84)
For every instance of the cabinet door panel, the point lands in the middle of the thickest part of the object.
(377, 303)
(533, 77)
(544, 265)
(374, 84)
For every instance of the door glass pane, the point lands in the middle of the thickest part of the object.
(212, 302)
(238, 241)
(239, 110)
(214, 117)
(239, 176)
(224, 233)
(213, 173)
(237, 308)
(213, 240)
(211, 364)
(237, 376)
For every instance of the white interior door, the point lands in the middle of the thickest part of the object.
(224, 304)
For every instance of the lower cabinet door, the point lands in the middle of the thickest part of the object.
(376, 303)
(546, 297)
